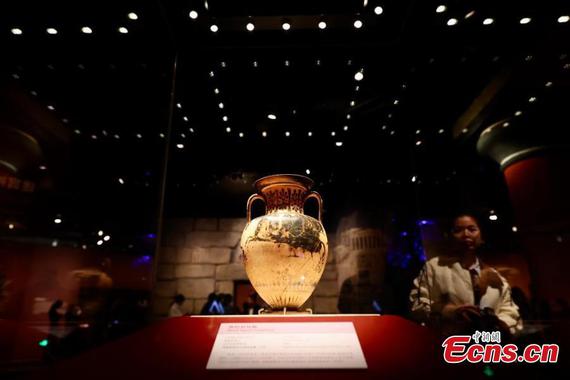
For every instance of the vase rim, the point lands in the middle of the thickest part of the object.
(283, 179)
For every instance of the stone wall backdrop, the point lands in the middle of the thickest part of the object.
(201, 256)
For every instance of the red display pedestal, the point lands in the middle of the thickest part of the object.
(179, 348)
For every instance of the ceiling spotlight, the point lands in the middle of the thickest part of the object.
(51, 31)
(525, 20)
(86, 30)
(214, 28)
(358, 24)
(345, 128)
(11, 226)
(396, 102)
(287, 134)
(333, 133)
(418, 143)
(452, 21)
(359, 76)
(216, 91)
(418, 131)
(54, 243)
(506, 124)
(441, 131)
(286, 26)
(221, 105)
(107, 238)
(193, 15)
(518, 113)
(322, 25)
(121, 181)
(563, 19)
(254, 63)
(250, 26)
(264, 134)
(338, 143)
(488, 21)
(352, 103)
(99, 242)
(17, 31)
(532, 99)
(548, 84)
(241, 134)
(178, 105)
(308, 171)
(161, 135)
(309, 133)
(347, 116)
(139, 136)
(228, 129)
(384, 127)
(57, 220)
(51, 108)
(100, 233)
(180, 146)
(123, 30)
(515, 229)
(77, 131)
(440, 9)
(469, 14)
(464, 130)
(414, 178)
(225, 118)
(133, 16)
(211, 74)
(378, 10)
(185, 118)
(493, 217)
(271, 116)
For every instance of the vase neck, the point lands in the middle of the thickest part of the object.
(284, 197)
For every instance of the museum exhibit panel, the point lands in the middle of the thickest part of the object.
(252, 189)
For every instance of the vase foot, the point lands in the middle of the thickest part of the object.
(285, 311)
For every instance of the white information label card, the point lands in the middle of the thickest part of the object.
(286, 345)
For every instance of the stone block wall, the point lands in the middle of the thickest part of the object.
(201, 256)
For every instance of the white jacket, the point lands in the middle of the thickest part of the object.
(443, 280)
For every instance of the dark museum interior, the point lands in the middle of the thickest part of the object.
(132, 134)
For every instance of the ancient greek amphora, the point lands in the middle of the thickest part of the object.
(284, 251)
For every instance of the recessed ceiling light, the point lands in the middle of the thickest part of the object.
(161, 135)
(384, 127)
(392, 133)
(123, 30)
(378, 10)
(94, 137)
(518, 113)
(418, 131)
(191, 130)
(51, 108)
(11, 226)
(16, 31)
(250, 26)
(264, 134)
(515, 229)
(86, 30)
(178, 105)
(333, 133)
(548, 84)
(185, 118)
(469, 14)
(345, 128)
(214, 28)
(532, 99)
(99, 242)
(287, 134)
(271, 116)
(358, 76)
(441, 9)
(107, 238)
(322, 25)
(221, 105)
(77, 132)
(241, 134)
(338, 143)
(225, 118)
(51, 31)
(216, 91)
(121, 181)
(525, 20)
(57, 220)
(348, 117)
(352, 103)
(309, 133)
(43, 167)
(506, 124)
(358, 24)
(180, 146)
(286, 26)
(414, 178)
(396, 102)
(563, 19)
(464, 130)
(493, 217)
(419, 142)
(452, 21)
(488, 21)
(193, 15)
(133, 16)
(441, 131)
(116, 136)
(183, 135)
(228, 129)
(308, 171)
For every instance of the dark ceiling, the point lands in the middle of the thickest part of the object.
(104, 106)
